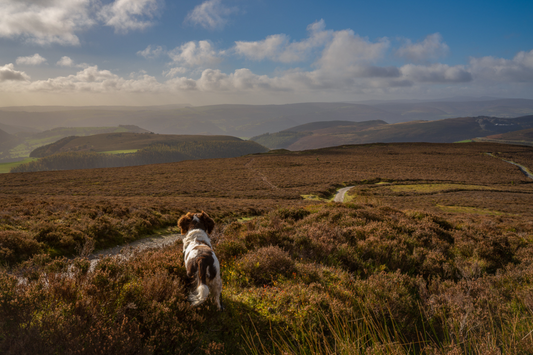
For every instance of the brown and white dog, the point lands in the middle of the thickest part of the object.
(199, 257)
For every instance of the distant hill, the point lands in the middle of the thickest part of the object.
(13, 129)
(505, 108)
(234, 120)
(254, 120)
(121, 141)
(85, 152)
(28, 141)
(440, 131)
(7, 141)
(522, 137)
(286, 138)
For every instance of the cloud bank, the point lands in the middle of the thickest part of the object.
(337, 64)
(46, 22)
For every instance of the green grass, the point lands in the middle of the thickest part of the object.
(429, 188)
(6, 167)
(124, 151)
(470, 210)
(465, 141)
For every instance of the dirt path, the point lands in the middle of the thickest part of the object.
(263, 177)
(522, 168)
(339, 197)
(128, 250)
(159, 241)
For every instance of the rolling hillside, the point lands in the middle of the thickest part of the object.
(7, 141)
(132, 149)
(235, 120)
(28, 141)
(457, 107)
(292, 135)
(120, 141)
(441, 131)
(254, 120)
(522, 137)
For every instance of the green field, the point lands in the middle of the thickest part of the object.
(124, 151)
(6, 167)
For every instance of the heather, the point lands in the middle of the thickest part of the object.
(407, 265)
(413, 281)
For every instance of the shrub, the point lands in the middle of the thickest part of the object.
(266, 264)
(16, 246)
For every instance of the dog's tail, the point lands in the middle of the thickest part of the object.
(199, 295)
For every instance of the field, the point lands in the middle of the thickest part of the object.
(6, 167)
(29, 142)
(431, 254)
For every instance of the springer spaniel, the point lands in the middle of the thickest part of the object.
(199, 257)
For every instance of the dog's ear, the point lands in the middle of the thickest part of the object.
(208, 222)
(184, 222)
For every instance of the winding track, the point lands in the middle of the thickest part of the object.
(521, 167)
(159, 241)
(339, 197)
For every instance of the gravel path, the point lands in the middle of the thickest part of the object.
(521, 167)
(160, 241)
(339, 197)
(128, 250)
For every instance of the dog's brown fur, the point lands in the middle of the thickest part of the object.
(199, 257)
(187, 222)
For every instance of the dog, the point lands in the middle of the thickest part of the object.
(199, 257)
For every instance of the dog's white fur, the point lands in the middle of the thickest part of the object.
(198, 238)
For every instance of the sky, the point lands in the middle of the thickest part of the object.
(156, 52)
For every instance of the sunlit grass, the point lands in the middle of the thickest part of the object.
(429, 188)
(470, 210)
(124, 151)
(6, 167)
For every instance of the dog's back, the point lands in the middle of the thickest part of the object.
(200, 259)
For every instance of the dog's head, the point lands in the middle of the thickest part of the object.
(196, 221)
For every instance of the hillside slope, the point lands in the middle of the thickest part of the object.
(440, 131)
(28, 141)
(7, 141)
(254, 120)
(85, 152)
(120, 141)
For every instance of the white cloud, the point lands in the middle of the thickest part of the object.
(65, 62)
(126, 15)
(35, 59)
(195, 54)
(269, 48)
(279, 49)
(431, 47)
(92, 79)
(175, 71)
(519, 69)
(45, 22)
(347, 49)
(436, 73)
(211, 14)
(151, 53)
(8, 72)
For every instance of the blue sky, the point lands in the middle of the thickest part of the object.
(142, 52)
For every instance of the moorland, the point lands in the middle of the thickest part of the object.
(429, 254)
(332, 133)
